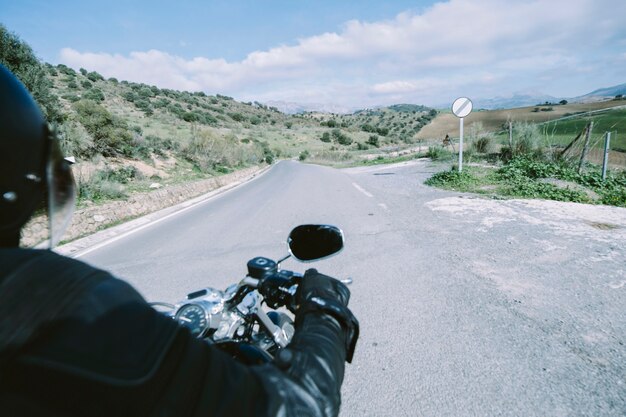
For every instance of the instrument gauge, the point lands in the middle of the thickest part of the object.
(193, 317)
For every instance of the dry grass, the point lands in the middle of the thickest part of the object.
(493, 120)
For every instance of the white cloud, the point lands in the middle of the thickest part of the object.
(451, 45)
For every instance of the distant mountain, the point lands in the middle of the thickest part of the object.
(603, 93)
(289, 107)
(516, 100)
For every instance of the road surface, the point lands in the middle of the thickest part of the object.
(468, 306)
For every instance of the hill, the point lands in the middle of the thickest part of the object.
(604, 93)
(496, 120)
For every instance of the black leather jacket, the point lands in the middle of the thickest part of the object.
(107, 353)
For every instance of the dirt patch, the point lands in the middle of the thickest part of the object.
(604, 226)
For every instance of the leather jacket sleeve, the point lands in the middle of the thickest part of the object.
(115, 355)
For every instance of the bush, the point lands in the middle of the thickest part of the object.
(94, 94)
(86, 84)
(238, 117)
(341, 138)
(110, 134)
(20, 59)
(94, 76)
(439, 153)
(107, 184)
(304, 155)
(325, 137)
(373, 140)
(482, 144)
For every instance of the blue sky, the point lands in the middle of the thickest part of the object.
(348, 53)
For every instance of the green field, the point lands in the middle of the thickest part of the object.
(614, 121)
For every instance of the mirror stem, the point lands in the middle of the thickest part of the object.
(283, 259)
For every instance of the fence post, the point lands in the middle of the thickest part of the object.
(586, 147)
(605, 163)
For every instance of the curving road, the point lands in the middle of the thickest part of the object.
(468, 306)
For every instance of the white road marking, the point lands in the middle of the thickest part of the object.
(187, 205)
(384, 206)
(358, 187)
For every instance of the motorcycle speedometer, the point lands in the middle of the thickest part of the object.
(194, 317)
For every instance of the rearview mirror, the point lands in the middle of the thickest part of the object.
(312, 242)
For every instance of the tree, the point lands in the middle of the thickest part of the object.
(563, 102)
(20, 59)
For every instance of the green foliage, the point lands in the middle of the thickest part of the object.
(524, 176)
(522, 170)
(373, 140)
(20, 59)
(94, 94)
(361, 146)
(482, 144)
(86, 84)
(341, 138)
(325, 137)
(304, 155)
(107, 184)
(238, 117)
(71, 97)
(453, 179)
(94, 76)
(110, 134)
(439, 153)
(288, 125)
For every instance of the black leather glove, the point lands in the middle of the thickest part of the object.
(314, 284)
(323, 294)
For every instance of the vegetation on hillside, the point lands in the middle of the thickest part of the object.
(114, 122)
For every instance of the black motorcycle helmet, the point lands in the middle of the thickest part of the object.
(32, 168)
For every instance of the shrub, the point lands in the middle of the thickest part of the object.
(20, 59)
(110, 134)
(439, 153)
(341, 138)
(325, 137)
(94, 76)
(373, 140)
(304, 155)
(70, 97)
(94, 94)
(482, 144)
(86, 84)
(190, 117)
(238, 117)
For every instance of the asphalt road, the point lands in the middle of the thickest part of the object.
(468, 306)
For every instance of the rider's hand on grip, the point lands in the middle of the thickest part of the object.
(323, 294)
(314, 284)
(275, 290)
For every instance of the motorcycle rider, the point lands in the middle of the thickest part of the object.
(76, 341)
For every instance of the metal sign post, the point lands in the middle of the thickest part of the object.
(461, 107)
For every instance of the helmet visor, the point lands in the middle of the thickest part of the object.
(61, 192)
